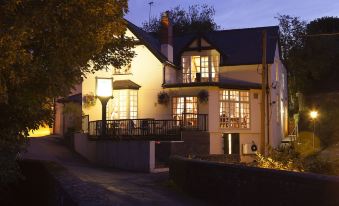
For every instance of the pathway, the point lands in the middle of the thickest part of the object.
(126, 188)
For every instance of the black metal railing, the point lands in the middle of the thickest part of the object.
(138, 128)
(195, 121)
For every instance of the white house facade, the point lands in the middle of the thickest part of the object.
(209, 82)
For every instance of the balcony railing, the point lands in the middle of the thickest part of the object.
(195, 121)
(138, 129)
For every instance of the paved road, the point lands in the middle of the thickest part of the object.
(126, 188)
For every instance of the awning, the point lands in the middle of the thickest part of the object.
(125, 84)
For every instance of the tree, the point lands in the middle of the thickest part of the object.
(46, 47)
(198, 18)
(311, 53)
(292, 35)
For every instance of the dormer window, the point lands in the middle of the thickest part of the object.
(200, 68)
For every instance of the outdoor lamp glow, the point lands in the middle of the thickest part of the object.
(104, 92)
(313, 114)
(104, 87)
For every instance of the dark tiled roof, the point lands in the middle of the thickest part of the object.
(125, 84)
(148, 40)
(237, 46)
(76, 98)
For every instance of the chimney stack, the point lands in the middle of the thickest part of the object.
(166, 36)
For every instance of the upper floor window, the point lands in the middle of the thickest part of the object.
(122, 71)
(234, 109)
(200, 68)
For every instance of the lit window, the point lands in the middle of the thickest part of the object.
(200, 68)
(234, 109)
(125, 104)
(185, 109)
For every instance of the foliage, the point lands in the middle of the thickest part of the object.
(46, 47)
(292, 35)
(89, 100)
(163, 97)
(281, 159)
(198, 18)
(203, 96)
(327, 123)
(311, 52)
(292, 159)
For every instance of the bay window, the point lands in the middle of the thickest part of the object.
(234, 109)
(125, 104)
(200, 68)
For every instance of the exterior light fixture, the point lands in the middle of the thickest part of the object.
(104, 92)
(314, 115)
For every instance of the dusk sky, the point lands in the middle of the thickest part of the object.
(240, 13)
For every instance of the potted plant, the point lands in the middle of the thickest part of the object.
(89, 100)
(203, 96)
(163, 97)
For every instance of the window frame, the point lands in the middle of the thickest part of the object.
(128, 98)
(224, 109)
(189, 77)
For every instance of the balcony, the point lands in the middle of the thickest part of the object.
(145, 129)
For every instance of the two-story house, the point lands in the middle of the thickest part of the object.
(209, 82)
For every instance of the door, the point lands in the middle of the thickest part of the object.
(231, 143)
(186, 110)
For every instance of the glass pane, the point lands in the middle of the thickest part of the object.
(234, 109)
(234, 95)
(244, 96)
(204, 69)
(186, 69)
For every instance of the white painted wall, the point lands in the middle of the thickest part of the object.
(147, 71)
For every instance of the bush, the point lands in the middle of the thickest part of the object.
(289, 158)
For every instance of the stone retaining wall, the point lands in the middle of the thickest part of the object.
(231, 184)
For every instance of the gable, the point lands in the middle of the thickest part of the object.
(199, 42)
(236, 47)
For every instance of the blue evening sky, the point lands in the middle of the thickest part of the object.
(240, 13)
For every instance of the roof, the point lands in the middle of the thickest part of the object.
(148, 40)
(125, 84)
(236, 46)
(76, 98)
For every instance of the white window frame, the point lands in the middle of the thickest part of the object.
(188, 76)
(223, 123)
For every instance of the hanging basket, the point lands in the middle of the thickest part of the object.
(89, 100)
(163, 98)
(203, 96)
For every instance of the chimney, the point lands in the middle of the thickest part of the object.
(166, 36)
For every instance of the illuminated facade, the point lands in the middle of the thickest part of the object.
(224, 64)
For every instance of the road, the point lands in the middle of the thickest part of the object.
(125, 188)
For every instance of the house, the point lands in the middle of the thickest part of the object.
(209, 84)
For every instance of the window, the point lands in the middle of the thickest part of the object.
(122, 71)
(234, 109)
(200, 68)
(125, 104)
(185, 109)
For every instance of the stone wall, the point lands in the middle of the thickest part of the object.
(231, 184)
(48, 183)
